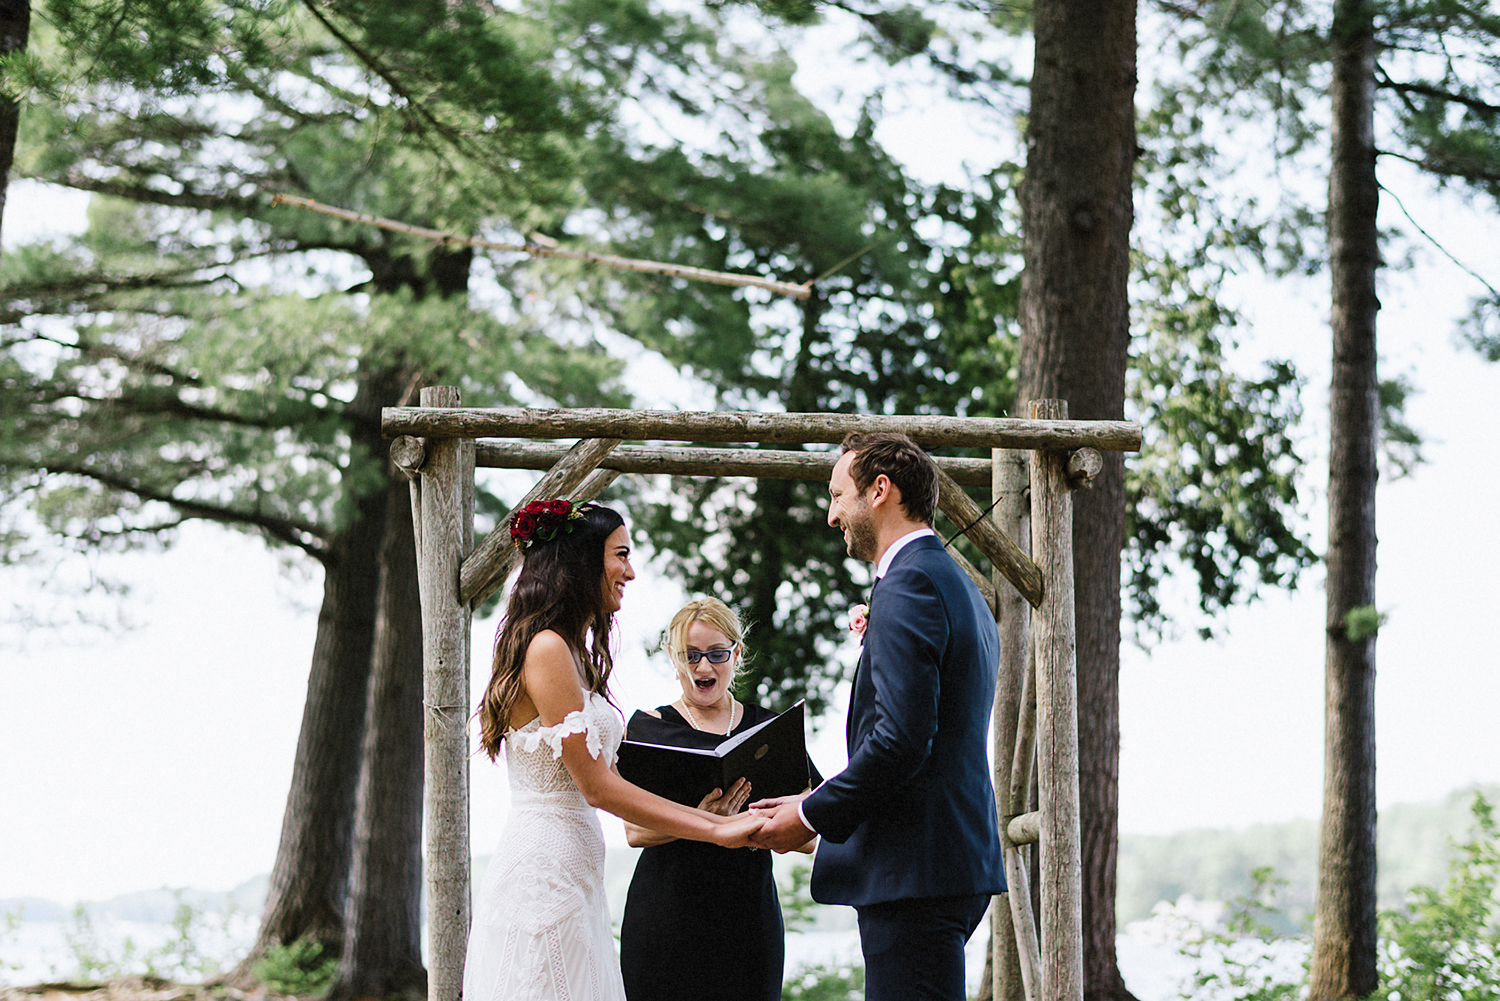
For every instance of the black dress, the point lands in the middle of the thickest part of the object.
(702, 923)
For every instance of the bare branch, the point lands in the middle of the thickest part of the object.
(537, 250)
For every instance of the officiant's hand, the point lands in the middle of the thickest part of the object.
(783, 830)
(727, 804)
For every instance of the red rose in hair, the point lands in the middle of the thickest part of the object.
(541, 520)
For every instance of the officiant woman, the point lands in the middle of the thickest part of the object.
(702, 922)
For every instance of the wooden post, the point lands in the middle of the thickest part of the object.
(447, 527)
(1055, 641)
(1015, 955)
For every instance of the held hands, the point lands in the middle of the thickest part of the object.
(783, 830)
(737, 832)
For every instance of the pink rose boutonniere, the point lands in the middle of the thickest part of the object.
(859, 618)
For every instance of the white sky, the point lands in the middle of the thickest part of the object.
(162, 756)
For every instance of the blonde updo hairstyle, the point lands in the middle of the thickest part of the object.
(711, 612)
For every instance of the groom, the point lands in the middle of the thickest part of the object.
(909, 832)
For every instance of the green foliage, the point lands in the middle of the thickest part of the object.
(1481, 327)
(92, 961)
(900, 321)
(1363, 622)
(1437, 89)
(10, 923)
(297, 968)
(823, 982)
(1414, 846)
(797, 905)
(1400, 443)
(1247, 960)
(199, 353)
(1215, 483)
(180, 956)
(1445, 944)
(1440, 945)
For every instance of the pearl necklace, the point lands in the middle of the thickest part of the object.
(733, 705)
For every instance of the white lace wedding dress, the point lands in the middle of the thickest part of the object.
(541, 924)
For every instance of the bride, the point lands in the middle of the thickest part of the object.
(541, 927)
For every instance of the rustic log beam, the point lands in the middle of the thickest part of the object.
(746, 426)
(485, 570)
(1025, 829)
(997, 547)
(684, 460)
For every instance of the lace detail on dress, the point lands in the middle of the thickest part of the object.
(593, 719)
(541, 926)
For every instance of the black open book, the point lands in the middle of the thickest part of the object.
(772, 755)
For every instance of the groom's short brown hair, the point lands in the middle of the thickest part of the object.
(909, 469)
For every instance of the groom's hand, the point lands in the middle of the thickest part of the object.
(783, 830)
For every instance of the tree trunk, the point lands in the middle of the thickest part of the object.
(309, 882)
(15, 29)
(1077, 212)
(1344, 926)
(383, 931)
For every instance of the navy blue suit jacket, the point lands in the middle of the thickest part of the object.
(913, 814)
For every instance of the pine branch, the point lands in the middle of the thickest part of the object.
(1427, 90)
(188, 199)
(301, 535)
(375, 66)
(1469, 171)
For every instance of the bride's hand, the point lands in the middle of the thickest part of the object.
(736, 832)
(729, 803)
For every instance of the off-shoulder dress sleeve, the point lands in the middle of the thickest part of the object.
(590, 721)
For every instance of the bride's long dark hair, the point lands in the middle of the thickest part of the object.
(560, 587)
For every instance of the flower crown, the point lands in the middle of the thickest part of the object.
(541, 520)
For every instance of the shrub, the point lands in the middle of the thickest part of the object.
(1444, 945)
(297, 968)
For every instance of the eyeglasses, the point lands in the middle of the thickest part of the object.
(719, 656)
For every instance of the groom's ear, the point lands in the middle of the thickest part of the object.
(883, 492)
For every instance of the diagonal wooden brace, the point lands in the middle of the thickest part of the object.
(998, 547)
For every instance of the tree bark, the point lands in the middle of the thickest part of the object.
(383, 932)
(15, 29)
(1344, 925)
(1077, 213)
(310, 879)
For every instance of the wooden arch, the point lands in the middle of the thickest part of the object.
(1035, 465)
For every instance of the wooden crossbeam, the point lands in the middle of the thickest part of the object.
(684, 460)
(748, 426)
